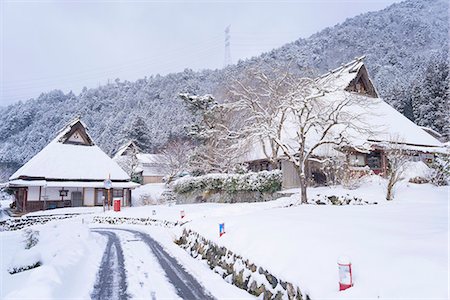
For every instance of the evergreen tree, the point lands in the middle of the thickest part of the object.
(430, 96)
(139, 133)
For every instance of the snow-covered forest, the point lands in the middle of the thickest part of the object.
(406, 48)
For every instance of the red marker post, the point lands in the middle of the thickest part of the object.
(345, 273)
(221, 229)
(182, 214)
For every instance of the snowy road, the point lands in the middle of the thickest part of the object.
(111, 279)
(152, 272)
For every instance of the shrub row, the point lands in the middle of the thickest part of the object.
(264, 181)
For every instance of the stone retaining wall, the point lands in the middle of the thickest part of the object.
(22, 222)
(134, 221)
(225, 197)
(239, 271)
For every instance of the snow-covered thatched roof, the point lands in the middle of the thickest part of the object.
(386, 124)
(347, 75)
(71, 155)
(128, 146)
(150, 164)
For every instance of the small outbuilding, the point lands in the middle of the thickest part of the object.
(145, 167)
(69, 172)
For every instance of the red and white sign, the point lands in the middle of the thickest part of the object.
(345, 273)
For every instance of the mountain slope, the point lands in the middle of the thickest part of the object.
(400, 42)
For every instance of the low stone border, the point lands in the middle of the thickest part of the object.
(134, 221)
(239, 271)
(22, 222)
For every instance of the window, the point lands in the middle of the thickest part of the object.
(357, 160)
(374, 160)
(117, 193)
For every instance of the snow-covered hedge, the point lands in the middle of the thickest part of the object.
(264, 181)
(338, 200)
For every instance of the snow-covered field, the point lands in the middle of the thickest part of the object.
(398, 249)
(70, 256)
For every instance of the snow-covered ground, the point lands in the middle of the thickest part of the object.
(70, 256)
(68, 210)
(148, 193)
(398, 249)
(5, 201)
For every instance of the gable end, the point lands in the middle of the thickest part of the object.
(362, 84)
(77, 135)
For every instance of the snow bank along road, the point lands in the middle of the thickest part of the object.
(158, 275)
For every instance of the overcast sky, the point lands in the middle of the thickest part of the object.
(66, 45)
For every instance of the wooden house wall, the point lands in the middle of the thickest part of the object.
(290, 175)
(89, 196)
(152, 179)
(39, 198)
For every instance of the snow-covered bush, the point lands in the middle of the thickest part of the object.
(333, 168)
(168, 196)
(340, 200)
(417, 172)
(147, 199)
(6, 194)
(31, 238)
(352, 178)
(25, 260)
(441, 170)
(264, 181)
(147, 194)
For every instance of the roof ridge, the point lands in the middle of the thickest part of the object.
(343, 66)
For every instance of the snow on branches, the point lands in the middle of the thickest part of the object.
(291, 116)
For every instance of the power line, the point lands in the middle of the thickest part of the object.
(227, 46)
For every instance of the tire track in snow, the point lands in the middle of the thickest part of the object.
(111, 278)
(186, 285)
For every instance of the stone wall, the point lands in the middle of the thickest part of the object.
(134, 221)
(23, 222)
(225, 197)
(239, 271)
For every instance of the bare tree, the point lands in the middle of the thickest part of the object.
(176, 157)
(285, 101)
(396, 159)
(260, 96)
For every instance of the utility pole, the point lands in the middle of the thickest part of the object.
(227, 46)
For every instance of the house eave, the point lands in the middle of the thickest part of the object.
(69, 183)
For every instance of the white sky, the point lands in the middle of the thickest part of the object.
(66, 45)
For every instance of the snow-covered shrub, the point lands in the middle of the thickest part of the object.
(417, 172)
(241, 168)
(418, 180)
(441, 170)
(167, 196)
(147, 199)
(147, 194)
(334, 169)
(340, 200)
(24, 260)
(31, 238)
(351, 178)
(264, 181)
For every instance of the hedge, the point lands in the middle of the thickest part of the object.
(264, 181)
